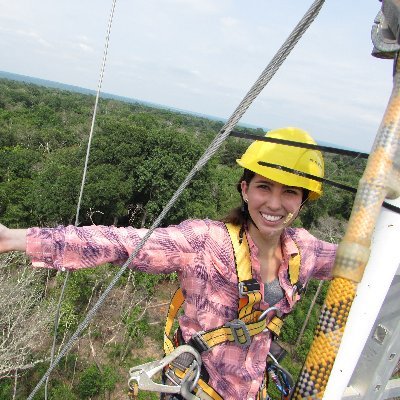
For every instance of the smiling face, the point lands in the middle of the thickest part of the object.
(272, 206)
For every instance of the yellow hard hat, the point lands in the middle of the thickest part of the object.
(295, 158)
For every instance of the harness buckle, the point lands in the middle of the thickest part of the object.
(235, 326)
(198, 342)
(248, 286)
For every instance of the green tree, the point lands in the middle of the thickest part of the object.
(17, 162)
(106, 195)
(90, 383)
(56, 188)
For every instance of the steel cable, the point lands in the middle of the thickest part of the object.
(61, 298)
(254, 91)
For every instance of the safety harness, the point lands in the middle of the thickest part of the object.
(178, 366)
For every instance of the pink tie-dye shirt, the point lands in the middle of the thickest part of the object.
(200, 251)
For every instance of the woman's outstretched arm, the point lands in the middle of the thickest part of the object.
(12, 239)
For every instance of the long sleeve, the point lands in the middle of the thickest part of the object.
(317, 256)
(69, 248)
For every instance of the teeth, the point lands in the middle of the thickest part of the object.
(271, 218)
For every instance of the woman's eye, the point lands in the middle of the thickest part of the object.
(293, 191)
(262, 186)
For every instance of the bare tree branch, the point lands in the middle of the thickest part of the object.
(24, 314)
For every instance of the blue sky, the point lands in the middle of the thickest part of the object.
(203, 56)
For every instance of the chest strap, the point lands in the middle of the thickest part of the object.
(250, 322)
(236, 331)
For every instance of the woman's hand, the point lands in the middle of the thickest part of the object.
(12, 239)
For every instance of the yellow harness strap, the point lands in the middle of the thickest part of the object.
(240, 330)
(175, 305)
(222, 334)
(202, 386)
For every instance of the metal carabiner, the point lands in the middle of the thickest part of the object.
(140, 376)
(266, 312)
(384, 41)
(280, 376)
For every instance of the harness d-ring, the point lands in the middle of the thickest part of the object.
(140, 376)
(266, 312)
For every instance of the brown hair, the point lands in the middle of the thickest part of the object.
(240, 214)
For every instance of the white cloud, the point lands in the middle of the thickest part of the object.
(203, 56)
(34, 36)
(229, 22)
(85, 47)
(199, 6)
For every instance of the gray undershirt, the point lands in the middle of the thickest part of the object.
(273, 292)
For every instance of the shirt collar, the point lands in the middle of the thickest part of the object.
(289, 247)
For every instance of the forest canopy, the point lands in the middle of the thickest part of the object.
(139, 157)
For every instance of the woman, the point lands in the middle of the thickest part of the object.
(200, 251)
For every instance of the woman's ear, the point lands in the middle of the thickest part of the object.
(244, 188)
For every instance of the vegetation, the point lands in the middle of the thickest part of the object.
(139, 156)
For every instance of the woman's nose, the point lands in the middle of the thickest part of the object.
(274, 201)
